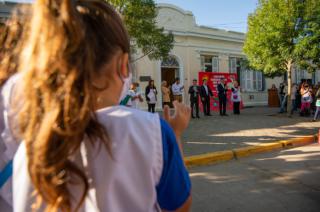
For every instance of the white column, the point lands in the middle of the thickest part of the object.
(158, 81)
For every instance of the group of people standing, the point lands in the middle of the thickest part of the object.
(205, 93)
(134, 95)
(151, 93)
(305, 97)
(175, 91)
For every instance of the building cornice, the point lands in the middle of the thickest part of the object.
(174, 7)
(212, 50)
(195, 30)
(206, 35)
(221, 30)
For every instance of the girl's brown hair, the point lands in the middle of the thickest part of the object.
(68, 43)
(10, 41)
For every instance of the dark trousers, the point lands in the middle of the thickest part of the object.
(222, 105)
(294, 105)
(151, 107)
(236, 108)
(194, 104)
(206, 105)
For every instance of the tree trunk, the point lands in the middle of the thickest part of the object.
(289, 102)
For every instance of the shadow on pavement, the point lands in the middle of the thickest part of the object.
(280, 181)
(252, 127)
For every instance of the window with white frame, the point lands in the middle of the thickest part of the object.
(233, 65)
(299, 75)
(251, 80)
(215, 64)
(209, 63)
(317, 77)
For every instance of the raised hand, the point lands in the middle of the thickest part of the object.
(180, 119)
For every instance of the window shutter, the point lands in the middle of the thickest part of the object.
(259, 80)
(296, 76)
(233, 65)
(263, 82)
(215, 64)
(250, 80)
(317, 76)
(313, 78)
(203, 68)
(243, 79)
(254, 80)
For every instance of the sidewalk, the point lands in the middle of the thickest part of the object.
(254, 126)
(285, 181)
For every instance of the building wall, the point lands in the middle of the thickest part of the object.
(192, 41)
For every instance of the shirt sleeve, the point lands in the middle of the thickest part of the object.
(174, 186)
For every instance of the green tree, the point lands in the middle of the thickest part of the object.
(140, 19)
(283, 34)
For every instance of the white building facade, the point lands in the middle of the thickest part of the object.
(200, 48)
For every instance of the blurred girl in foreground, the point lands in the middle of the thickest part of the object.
(80, 150)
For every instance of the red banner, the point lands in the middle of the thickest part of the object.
(213, 81)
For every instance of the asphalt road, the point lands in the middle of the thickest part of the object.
(288, 180)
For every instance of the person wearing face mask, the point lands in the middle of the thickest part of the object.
(317, 98)
(151, 96)
(134, 96)
(222, 94)
(194, 92)
(80, 150)
(165, 93)
(236, 98)
(177, 90)
(205, 94)
(137, 96)
(306, 99)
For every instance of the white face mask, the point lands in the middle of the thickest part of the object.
(125, 87)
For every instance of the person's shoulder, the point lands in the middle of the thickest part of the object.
(119, 113)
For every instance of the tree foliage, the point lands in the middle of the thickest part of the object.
(140, 19)
(282, 32)
(307, 50)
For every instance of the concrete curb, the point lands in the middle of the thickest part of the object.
(234, 154)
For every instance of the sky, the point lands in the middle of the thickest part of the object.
(223, 14)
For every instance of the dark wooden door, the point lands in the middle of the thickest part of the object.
(168, 74)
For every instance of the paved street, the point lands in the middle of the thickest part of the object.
(278, 182)
(254, 125)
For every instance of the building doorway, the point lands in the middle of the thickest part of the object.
(169, 72)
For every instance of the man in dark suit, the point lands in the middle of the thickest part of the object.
(194, 92)
(222, 91)
(205, 93)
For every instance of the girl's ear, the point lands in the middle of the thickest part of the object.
(124, 65)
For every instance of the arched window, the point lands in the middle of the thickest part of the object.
(170, 62)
